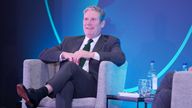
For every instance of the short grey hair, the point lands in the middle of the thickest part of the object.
(97, 9)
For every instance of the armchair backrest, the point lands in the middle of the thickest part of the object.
(182, 90)
(36, 73)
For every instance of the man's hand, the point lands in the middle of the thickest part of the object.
(68, 56)
(82, 54)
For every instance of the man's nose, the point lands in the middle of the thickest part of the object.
(89, 22)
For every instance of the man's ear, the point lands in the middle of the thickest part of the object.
(102, 23)
(190, 69)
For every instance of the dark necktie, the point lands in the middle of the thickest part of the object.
(86, 48)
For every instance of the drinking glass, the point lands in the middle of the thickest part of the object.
(144, 87)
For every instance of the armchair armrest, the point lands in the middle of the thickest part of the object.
(111, 80)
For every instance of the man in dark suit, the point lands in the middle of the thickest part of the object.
(79, 59)
(163, 95)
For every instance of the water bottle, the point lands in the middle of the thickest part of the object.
(152, 77)
(184, 67)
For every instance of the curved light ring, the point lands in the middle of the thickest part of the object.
(51, 19)
(164, 70)
(52, 23)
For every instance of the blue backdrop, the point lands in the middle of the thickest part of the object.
(157, 30)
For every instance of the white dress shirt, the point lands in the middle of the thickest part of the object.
(96, 55)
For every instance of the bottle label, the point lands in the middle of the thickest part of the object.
(154, 83)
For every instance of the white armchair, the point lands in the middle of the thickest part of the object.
(111, 80)
(182, 90)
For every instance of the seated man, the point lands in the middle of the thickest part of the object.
(79, 58)
(163, 95)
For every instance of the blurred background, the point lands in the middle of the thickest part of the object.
(156, 30)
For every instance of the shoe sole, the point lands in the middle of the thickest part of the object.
(22, 92)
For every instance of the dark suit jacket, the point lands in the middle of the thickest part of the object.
(108, 48)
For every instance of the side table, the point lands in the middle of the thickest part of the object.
(146, 100)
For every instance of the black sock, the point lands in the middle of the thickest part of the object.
(42, 92)
(36, 95)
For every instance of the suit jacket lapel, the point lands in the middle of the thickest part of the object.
(100, 43)
(77, 43)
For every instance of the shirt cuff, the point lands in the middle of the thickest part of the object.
(96, 56)
(61, 58)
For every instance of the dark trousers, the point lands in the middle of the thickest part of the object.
(163, 96)
(71, 81)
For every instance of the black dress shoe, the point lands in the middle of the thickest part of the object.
(30, 96)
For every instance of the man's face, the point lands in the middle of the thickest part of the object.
(91, 24)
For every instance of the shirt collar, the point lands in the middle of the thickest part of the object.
(95, 39)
